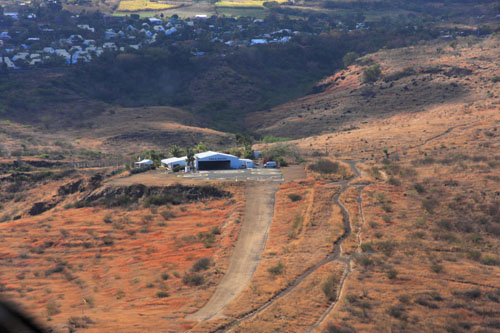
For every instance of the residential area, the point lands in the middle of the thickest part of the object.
(48, 36)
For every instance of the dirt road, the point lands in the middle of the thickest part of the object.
(245, 258)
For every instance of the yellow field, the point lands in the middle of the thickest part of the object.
(137, 5)
(244, 4)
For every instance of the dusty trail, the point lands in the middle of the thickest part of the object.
(251, 242)
(334, 255)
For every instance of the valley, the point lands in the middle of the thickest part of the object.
(381, 213)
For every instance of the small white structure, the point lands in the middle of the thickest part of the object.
(143, 163)
(154, 20)
(8, 62)
(172, 162)
(246, 163)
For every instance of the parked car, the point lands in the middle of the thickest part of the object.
(270, 164)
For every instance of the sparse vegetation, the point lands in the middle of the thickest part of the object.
(372, 73)
(276, 269)
(329, 287)
(201, 265)
(193, 279)
(294, 197)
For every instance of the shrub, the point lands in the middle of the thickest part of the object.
(165, 276)
(495, 79)
(276, 269)
(372, 73)
(324, 166)
(162, 294)
(490, 261)
(349, 58)
(334, 328)
(52, 308)
(80, 322)
(329, 287)
(394, 181)
(396, 312)
(167, 215)
(364, 261)
(108, 218)
(392, 273)
(437, 268)
(294, 197)
(387, 247)
(366, 247)
(429, 205)
(474, 255)
(472, 293)
(193, 279)
(387, 208)
(201, 265)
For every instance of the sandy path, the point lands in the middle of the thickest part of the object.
(251, 242)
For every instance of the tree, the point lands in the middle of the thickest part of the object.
(349, 58)
(249, 153)
(372, 73)
(176, 151)
(190, 158)
(200, 147)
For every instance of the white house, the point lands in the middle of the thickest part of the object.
(86, 27)
(154, 20)
(8, 62)
(174, 161)
(143, 163)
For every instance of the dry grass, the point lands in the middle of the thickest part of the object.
(142, 5)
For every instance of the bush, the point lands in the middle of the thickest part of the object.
(324, 166)
(162, 294)
(329, 287)
(108, 218)
(396, 312)
(277, 269)
(436, 268)
(294, 197)
(490, 261)
(167, 215)
(429, 205)
(394, 181)
(372, 73)
(165, 276)
(392, 273)
(366, 247)
(80, 322)
(349, 58)
(495, 79)
(201, 265)
(193, 279)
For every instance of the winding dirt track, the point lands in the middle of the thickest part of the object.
(259, 213)
(334, 255)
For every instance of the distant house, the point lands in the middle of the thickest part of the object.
(111, 46)
(74, 39)
(258, 41)
(154, 20)
(143, 163)
(172, 162)
(13, 15)
(86, 27)
(20, 56)
(110, 33)
(8, 62)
